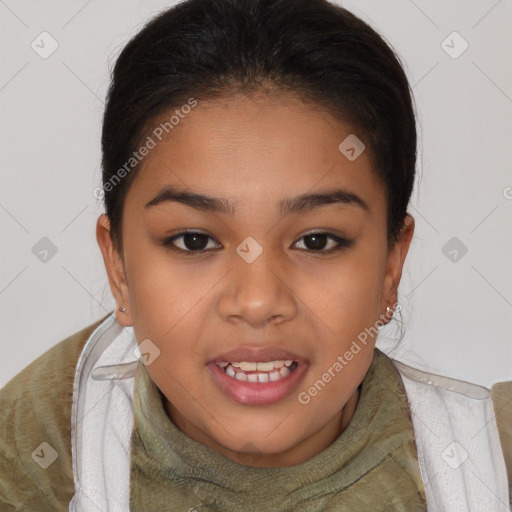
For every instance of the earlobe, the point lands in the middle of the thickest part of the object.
(115, 269)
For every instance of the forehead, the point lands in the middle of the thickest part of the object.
(257, 148)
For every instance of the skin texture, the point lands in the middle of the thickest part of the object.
(255, 150)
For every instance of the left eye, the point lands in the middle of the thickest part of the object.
(317, 242)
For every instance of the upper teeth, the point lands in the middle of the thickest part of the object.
(264, 371)
(249, 366)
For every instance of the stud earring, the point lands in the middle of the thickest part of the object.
(122, 309)
(389, 311)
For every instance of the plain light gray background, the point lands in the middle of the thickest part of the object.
(457, 314)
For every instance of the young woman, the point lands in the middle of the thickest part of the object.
(258, 161)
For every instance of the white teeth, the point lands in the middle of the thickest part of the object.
(248, 367)
(265, 367)
(258, 371)
(284, 371)
(261, 366)
(274, 376)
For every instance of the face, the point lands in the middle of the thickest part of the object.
(284, 265)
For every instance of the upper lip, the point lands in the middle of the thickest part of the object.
(255, 354)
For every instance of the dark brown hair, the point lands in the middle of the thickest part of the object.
(211, 48)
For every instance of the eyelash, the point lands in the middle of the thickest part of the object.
(341, 243)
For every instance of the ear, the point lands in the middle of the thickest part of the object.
(114, 266)
(395, 262)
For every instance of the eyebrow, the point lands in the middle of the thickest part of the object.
(286, 206)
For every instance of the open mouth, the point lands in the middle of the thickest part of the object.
(258, 375)
(258, 382)
(258, 372)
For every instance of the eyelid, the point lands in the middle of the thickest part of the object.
(341, 242)
(168, 241)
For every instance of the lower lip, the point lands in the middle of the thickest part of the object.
(257, 393)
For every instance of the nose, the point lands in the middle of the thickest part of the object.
(258, 293)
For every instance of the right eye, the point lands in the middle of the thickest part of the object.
(191, 241)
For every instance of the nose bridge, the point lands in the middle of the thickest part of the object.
(256, 270)
(259, 291)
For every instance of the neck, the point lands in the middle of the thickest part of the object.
(297, 454)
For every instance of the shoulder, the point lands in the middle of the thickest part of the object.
(441, 382)
(35, 428)
(502, 401)
(502, 398)
(463, 403)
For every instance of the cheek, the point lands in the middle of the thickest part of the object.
(346, 295)
(170, 305)
(347, 306)
(173, 326)
(164, 291)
